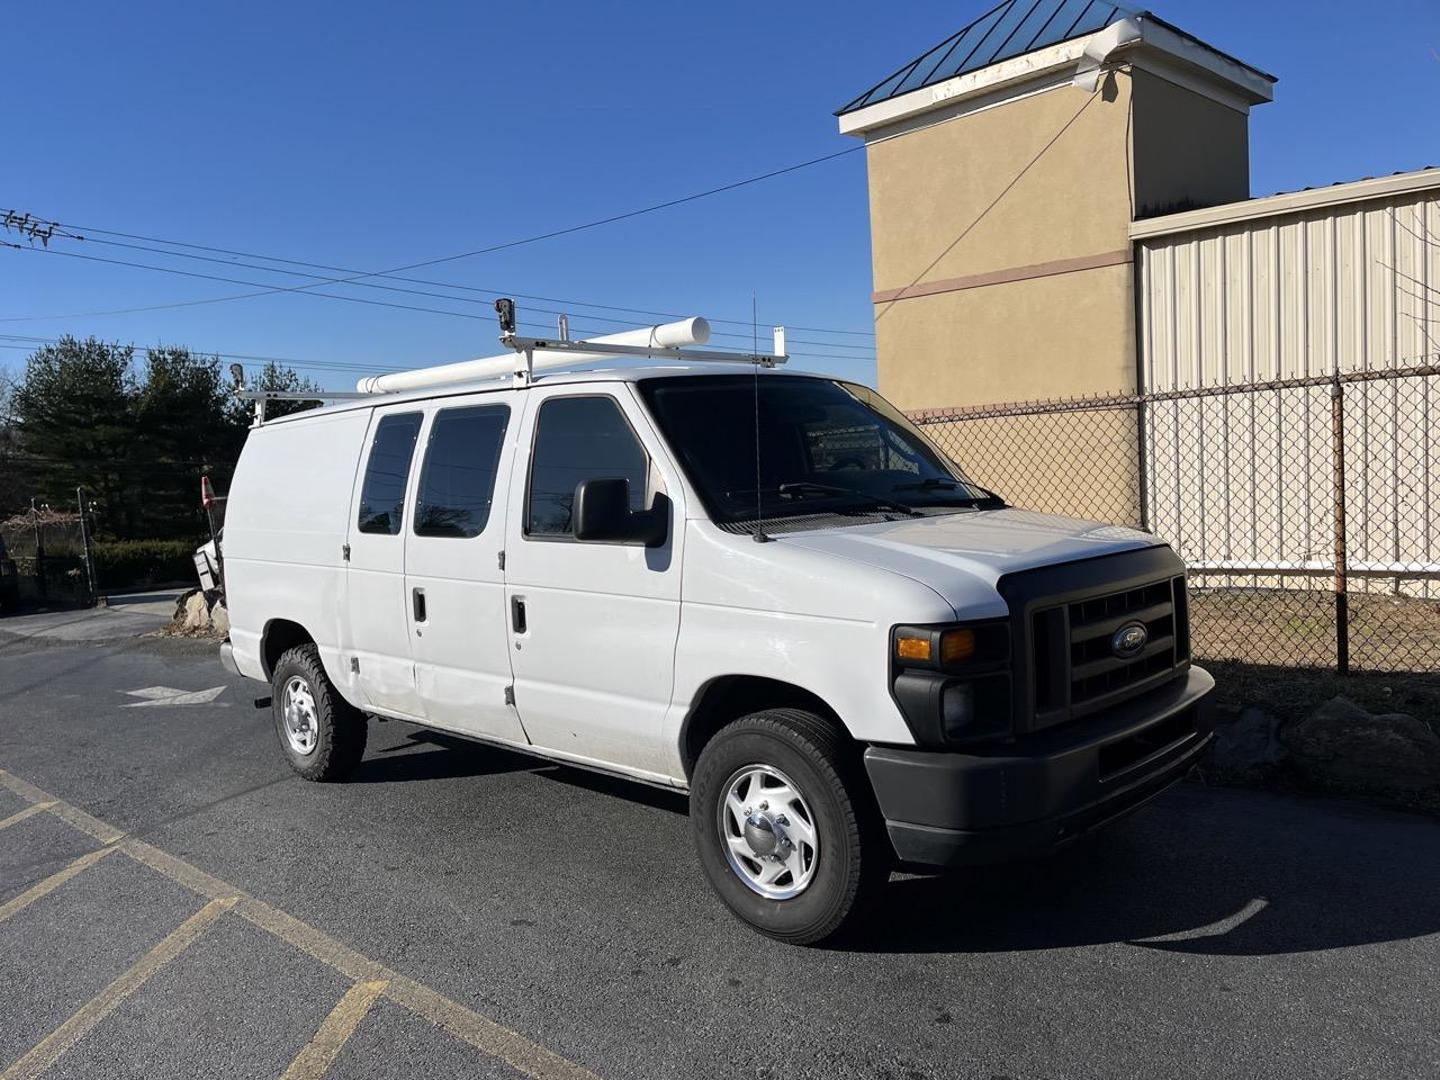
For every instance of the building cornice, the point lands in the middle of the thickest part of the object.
(1289, 203)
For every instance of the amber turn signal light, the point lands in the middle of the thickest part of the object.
(912, 648)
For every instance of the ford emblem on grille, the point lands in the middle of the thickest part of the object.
(1129, 640)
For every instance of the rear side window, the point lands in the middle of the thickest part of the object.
(382, 497)
(457, 482)
(580, 438)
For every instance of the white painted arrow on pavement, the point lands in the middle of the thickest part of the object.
(156, 696)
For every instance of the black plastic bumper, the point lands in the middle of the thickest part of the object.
(1022, 800)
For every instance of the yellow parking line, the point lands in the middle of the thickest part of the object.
(29, 811)
(49, 1049)
(51, 883)
(106, 834)
(485, 1035)
(315, 1060)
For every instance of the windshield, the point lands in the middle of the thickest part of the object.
(824, 447)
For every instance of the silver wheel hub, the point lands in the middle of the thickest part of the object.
(300, 716)
(768, 832)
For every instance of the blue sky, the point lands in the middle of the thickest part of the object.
(369, 135)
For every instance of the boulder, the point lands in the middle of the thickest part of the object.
(196, 615)
(1343, 747)
(1249, 746)
(220, 620)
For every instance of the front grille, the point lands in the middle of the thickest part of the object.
(1064, 617)
(1076, 668)
(1095, 669)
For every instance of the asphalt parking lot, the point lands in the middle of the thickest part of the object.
(173, 902)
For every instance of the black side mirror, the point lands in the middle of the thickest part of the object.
(602, 512)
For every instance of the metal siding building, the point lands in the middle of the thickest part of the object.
(1312, 284)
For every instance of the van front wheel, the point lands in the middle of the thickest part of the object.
(321, 734)
(784, 825)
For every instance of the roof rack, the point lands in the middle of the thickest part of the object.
(531, 357)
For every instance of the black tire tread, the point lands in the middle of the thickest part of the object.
(830, 752)
(343, 743)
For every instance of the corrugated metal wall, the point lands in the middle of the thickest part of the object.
(1345, 288)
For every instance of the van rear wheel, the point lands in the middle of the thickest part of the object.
(784, 825)
(322, 736)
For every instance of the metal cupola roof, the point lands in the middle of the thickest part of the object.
(1010, 29)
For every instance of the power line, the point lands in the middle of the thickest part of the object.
(323, 365)
(508, 245)
(489, 293)
(416, 292)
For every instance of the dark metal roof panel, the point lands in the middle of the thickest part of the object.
(1012, 28)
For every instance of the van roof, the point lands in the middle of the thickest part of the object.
(618, 373)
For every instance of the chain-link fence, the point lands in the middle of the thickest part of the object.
(50, 554)
(1308, 510)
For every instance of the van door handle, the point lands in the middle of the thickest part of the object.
(418, 597)
(517, 614)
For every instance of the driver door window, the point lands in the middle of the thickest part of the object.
(579, 438)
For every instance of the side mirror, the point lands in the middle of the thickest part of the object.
(602, 512)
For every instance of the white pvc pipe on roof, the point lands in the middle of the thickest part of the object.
(673, 335)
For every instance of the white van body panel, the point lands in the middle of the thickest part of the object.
(285, 531)
(594, 667)
(461, 650)
(963, 555)
(779, 611)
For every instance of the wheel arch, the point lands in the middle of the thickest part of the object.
(278, 638)
(726, 698)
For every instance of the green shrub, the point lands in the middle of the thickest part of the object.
(121, 564)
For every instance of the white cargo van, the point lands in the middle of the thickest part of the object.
(850, 655)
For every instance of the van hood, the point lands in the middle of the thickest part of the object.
(952, 553)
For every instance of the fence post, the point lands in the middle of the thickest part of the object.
(85, 542)
(1342, 599)
(39, 552)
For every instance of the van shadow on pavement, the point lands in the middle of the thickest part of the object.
(1203, 871)
(1200, 871)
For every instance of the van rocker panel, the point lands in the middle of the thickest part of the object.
(1023, 799)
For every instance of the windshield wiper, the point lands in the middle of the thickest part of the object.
(944, 483)
(801, 487)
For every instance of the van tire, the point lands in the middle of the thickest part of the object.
(854, 859)
(334, 729)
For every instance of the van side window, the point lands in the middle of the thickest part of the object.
(382, 497)
(457, 481)
(579, 438)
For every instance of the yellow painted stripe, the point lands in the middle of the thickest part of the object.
(485, 1035)
(29, 811)
(315, 1060)
(51, 883)
(494, 1039)
(106, 834)
(49, 1050)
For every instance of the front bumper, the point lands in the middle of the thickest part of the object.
(1024, 799)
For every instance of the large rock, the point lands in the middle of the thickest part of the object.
(1249, 747)
(1342, 746)
(197, 613)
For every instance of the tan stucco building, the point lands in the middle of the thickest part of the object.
(1006, 166)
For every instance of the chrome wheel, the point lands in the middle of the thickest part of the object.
(768, 832)
(302, 722)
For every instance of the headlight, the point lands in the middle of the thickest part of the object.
(953, 648)
(952, 683)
